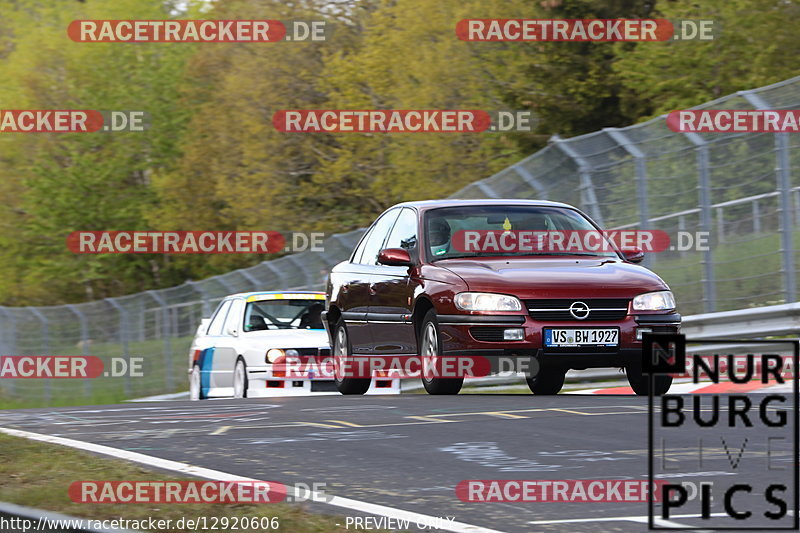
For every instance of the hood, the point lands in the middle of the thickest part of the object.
(599, 277)
(288, 338)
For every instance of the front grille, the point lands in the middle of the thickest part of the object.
(558, 309)
(487, 334)
(308, 351)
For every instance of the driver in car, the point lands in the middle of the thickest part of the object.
(439, 236)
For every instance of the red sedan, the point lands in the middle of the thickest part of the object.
(435, 279)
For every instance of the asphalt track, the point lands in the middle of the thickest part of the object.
(409, 451)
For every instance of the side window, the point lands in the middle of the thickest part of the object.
(404, 233)
(377, 235)
(234, 317)
(360, 250)
(215, 328)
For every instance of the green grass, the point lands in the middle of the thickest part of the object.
(38, 475)
(23, 393)
(747, 274)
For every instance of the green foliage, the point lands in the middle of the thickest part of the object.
(212, 159)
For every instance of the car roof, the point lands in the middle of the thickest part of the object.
(451, 202)
(246, 295)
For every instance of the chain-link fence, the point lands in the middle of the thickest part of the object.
(740, 188)
(736, 187)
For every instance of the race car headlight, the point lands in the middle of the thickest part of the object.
(274, 354)
(654, 301)
(485, 301)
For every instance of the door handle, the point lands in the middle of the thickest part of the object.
(372, 290)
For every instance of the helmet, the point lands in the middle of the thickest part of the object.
(438, 232)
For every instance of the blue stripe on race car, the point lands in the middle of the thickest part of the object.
(206, 362)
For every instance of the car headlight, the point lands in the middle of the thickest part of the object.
(274, 354)
(654, 301)
(292, 353)
(485, 301)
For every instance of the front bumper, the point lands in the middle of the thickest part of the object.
(459, 338)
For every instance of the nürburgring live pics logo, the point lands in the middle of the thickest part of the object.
(742, 433)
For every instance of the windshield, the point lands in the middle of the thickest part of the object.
(499, 230)
(283, 314)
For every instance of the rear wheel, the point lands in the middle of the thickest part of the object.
(430, 349)
(640, 382)
(341, 353)
(240, 380)
(548, 380)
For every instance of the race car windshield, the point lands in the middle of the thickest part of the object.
(283, 314)
(510, 231)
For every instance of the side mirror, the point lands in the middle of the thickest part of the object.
(394, 257)
(233, 332)
(633, 255)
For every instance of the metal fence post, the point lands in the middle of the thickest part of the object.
(48, 392)
(785, 213)
(249, 277)
(486, 189)
(123, 340)
(784, 183)
(756, 218)
(203, 297)
(531, 180)
(704, 187)
(278, 273)
(641, 181)
(165, 335)
(87, 383)
(588, 197)
(221, 280)
(293, 259)
(9, 343)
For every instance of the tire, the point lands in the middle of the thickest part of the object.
(548, 380)
(341, 350)
(640, 382)
(430, 346)
(195, 385)
(240, 381)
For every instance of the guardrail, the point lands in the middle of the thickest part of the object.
(745, 323)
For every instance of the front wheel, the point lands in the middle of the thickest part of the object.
(239, 380)
(548, 380)
(195, 388)
(341, 353)
(430, 349)
(640, 382)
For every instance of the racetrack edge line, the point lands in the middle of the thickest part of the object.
(218, 475)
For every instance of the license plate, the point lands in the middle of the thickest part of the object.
(564, 338)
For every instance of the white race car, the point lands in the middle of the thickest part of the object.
(243, 350)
